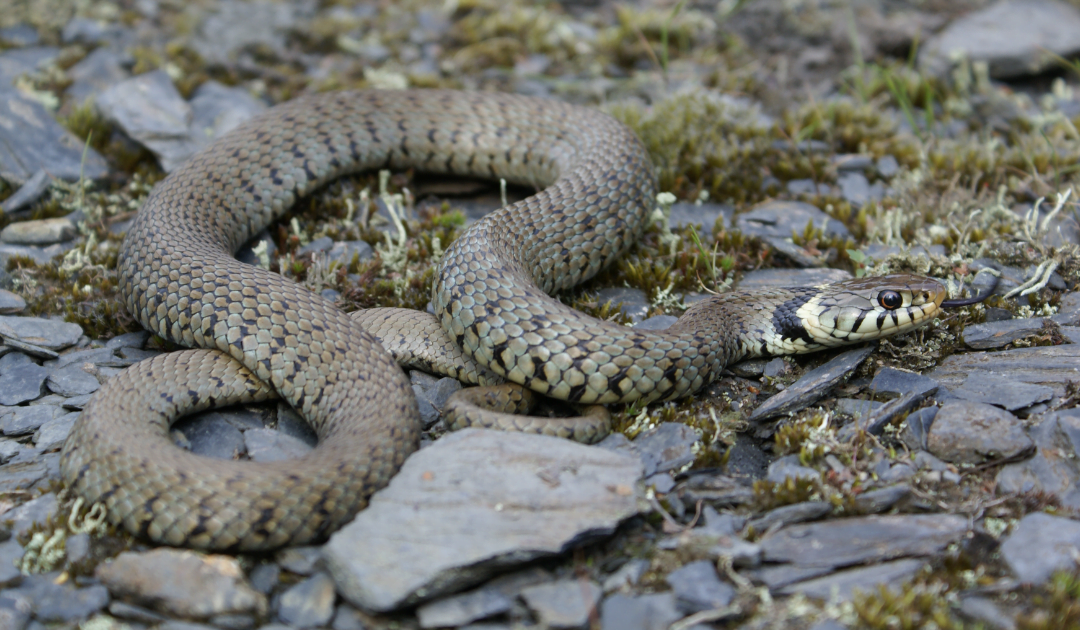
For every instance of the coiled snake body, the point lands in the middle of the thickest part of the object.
(271, 337)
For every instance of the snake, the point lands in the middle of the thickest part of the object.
(257, 336)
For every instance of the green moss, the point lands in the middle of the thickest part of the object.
(1056, 605)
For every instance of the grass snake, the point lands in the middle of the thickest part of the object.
(263, 336)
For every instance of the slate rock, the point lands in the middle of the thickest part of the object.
(844, 585)
(1040, 545)
(95, 73)
(209, 434)
(864, 539)
(898, 382)
(999, 390)
(999, 334)
(633, 303)
(643, 612)
(626, 576)
(347, 618)
(657, 322)
(26, 420)
(668, 446)
(181, 583)
(72, 381)
(51, 602)
(788, 514)
(47, 333)
(1052, 366)
(782, 218)
(14, 611)
(697, 587)
(299, 560)
(309, 604)
(458, 610)
(19, 36)
(813, 385)
(887, 166)
(704, 216)
(855, 188)
(789, 466)
(30, 191)
(1055, 468)
(1015, 38)
(472, 502)
(563, 603)
(31, 140)
(39, 232)
(345, 251)
(237, 26)
(149, 109)
(967, 432)
(217, 109)
(268, 445)
(34, 512)
(53, 433)
(782, 278)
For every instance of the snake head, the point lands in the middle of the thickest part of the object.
(870, 308)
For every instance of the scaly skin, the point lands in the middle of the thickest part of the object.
(178, 277)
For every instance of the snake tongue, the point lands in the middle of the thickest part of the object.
(971, 300)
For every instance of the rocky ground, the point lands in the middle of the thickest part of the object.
(925, 481)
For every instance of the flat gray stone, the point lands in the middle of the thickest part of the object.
(181, 583)
(72, 381)
(864, 539)
(209, 434)
(668, 446)
(53, 433)
(309, 604)
(1015, 38)
(95, 73)
(1003, 332)
(1055, 468)
(789, 466)
(149, 109)
(30, 191)
(11, 302)
(844, 585)
(10, 553)
(458, 610)
(813, 385)
(697, 587)
(644, 612)
(704, 216)
(237, 26)
(31, 140)
(39, 232)
(51, 602)
(47, 333)
(26, 420)
(299, 560)
(34, 512)
(781, 219)
(563, 603)
(631, 302)
(967, 432)
(1041, 544)
(898, 382)
(789, 514)
(22, 384)
(471, 503)
(855, 188)
(1052, 366)
(999, 390)
(268, 445)
(782, 278)
(217, 109)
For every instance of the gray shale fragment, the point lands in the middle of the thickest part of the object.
(181, 583)
(813, 385)
(967, 432)
(473, 503)
(1041, 544)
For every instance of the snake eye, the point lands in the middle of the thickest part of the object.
(890, 300)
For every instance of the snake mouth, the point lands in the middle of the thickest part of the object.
(980, 297)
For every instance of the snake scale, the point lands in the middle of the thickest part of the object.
(264, 336)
